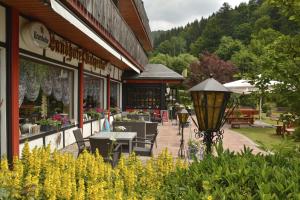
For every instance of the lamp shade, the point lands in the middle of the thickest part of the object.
(183, 115)
(210, 99)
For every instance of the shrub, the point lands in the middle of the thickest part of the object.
(237, 176)
(42, 175)
(296, 134)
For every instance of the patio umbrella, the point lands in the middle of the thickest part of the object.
(245, 87)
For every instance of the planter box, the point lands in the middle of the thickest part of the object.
(46, 128)
(145, 117)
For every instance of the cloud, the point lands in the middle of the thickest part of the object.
(166, 14)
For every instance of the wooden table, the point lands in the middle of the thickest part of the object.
(119, 136)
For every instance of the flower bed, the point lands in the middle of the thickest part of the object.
(42, 175)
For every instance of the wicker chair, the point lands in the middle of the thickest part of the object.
(148, 145)
(81, 142)
(110, 152)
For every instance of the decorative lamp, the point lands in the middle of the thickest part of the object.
(183, 116)
(210, 99)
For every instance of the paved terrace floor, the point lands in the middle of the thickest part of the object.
(169, 138)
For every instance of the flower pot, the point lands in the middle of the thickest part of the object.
(46, 128)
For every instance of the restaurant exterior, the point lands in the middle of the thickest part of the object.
(61, 67)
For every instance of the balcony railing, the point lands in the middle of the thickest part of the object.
(107, 14)
(142, 12)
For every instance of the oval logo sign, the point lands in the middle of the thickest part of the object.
(37, 34)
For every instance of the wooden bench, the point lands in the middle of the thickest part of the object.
(243, 120)
(289, 130)
(237, 124)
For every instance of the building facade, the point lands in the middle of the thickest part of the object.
(61, 65)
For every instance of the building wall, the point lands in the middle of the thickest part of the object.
(65, 138)
(3, 142)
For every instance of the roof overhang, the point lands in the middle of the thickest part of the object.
(150, 81)
(67, 24)
(154, 73)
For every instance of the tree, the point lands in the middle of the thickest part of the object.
(245, 61)
(289, 8)
(228, 47)
(176, 63)
(208, 63)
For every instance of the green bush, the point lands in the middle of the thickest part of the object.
(296, 134)
(237, 176)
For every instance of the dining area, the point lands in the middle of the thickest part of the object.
(120, 140)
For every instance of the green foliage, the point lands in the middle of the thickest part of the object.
(173, 46)
(237, 176)
(49, 122)
(228, 47)
(296, 134)
(177, 63)
(290, 8)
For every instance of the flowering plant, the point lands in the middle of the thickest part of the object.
(97, 113)
(40, 174)
(61, 118)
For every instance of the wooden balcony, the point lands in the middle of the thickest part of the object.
(106, 14)
(135, 15)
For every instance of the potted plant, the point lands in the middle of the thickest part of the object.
(49, 124)
(46, 124)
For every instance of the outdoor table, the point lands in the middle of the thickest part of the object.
(119, 136)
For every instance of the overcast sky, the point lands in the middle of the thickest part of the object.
(167, 14)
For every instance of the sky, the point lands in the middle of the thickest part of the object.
(167, 14)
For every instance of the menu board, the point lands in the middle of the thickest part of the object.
(164, 115)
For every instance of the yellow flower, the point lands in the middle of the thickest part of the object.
(209, 198)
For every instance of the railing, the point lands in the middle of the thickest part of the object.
(107, 14)
(142, 12)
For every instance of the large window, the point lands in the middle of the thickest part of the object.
(114, 94)
(93, 96)
(45, 95)
(143, 97)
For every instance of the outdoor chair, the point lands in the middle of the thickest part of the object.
(110, 152)
(81, 142)
(151, 131)
(156, 117)
(148, 146)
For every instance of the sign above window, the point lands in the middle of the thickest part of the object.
(35, 34)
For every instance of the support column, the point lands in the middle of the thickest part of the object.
(13, 73)
(108, 95)
(80, 95)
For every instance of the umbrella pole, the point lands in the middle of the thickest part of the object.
(260, 104)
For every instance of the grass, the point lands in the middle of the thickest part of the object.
(265, 137)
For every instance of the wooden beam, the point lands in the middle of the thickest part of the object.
(13, 73)
(80, 95)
